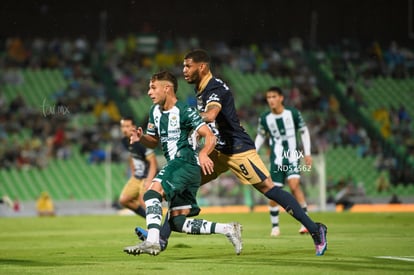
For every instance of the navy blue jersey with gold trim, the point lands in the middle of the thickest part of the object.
(139, 155)
(232, 137)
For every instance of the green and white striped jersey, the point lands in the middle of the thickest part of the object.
(281, 129)
(173, 127)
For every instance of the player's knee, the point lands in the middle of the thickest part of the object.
(151, 194)
(177, 223)
(272, 203)
(264, 186)
(295, 189)
(123, 201)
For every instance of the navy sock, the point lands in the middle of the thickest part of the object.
(140, 211)
(290, 204)
(165, 230)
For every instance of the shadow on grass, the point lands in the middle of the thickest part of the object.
(27, 262)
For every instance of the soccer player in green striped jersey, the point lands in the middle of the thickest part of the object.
(170, 123)
(281, 125)
(235, 150)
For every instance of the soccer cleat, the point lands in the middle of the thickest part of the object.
(319, 238)
(132, 250)
(303, 230)
(163, 244)
(275, 232)
(142, 235)
(144, 247)
(234, 236)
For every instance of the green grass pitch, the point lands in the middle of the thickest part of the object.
(93, 245)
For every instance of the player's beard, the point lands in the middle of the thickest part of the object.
(194, 78)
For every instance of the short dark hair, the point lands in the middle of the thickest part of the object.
(275, 89)
(167, 76)
(128, 118)
(198, 55)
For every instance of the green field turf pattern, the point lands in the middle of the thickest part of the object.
(93, 245)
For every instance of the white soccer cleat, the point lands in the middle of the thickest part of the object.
(234, 236)
(132, 250)
(275, 232)
(144, 247)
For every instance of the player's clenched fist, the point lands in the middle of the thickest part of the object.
(136, 135)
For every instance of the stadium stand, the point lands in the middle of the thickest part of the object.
(371, 101)
(74, 177)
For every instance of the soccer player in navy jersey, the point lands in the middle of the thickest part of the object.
(143, 166)
(235, 150)
(170, 124)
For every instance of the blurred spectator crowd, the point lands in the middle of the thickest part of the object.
(29, 139)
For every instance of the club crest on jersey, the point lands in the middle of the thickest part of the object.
(173, 121)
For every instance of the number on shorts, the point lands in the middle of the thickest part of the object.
(243, 169)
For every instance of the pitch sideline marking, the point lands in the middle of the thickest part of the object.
(405, 258)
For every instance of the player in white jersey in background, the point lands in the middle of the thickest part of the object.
(281, 126)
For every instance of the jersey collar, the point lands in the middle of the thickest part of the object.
(204, 82)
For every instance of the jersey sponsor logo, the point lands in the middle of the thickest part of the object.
(174, 131)
(168, 139)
